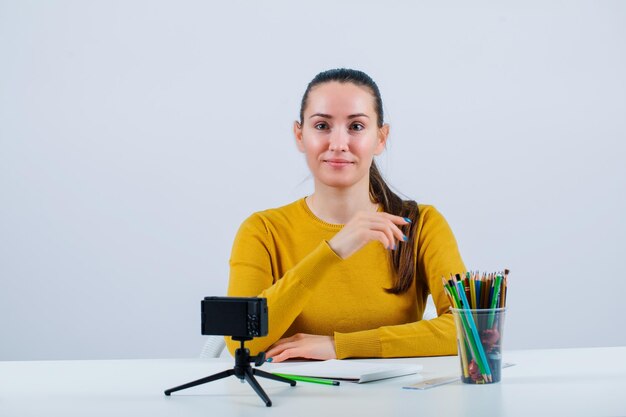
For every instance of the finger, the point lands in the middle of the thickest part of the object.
(389, 235)
(397, 232)
(280, 353)
(273, 351)
(284, 343)
(297, 336)
(381, 237)
(277, 350)
(392, 231)
(395, 219)
(382, 225)
(269, 355)
(287, 354)
(399, 220)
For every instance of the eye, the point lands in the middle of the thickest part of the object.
(357, 127)
(321, 126)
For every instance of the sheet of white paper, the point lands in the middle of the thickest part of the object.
(356, 371)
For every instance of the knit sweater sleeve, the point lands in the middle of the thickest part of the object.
(252, 266)
(437, 256)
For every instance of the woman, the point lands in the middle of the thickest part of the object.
(346, 271)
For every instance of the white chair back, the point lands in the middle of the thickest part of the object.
(213, 347)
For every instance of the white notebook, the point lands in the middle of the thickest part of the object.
(347, 370)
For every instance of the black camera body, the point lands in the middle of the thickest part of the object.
(239, 317)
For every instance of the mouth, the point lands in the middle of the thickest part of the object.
(337, 162)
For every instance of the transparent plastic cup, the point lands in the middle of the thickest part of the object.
(479, 337)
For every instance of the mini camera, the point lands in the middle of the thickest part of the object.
(243, 319)
(239, 317)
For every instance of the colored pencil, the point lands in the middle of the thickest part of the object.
(309, 379)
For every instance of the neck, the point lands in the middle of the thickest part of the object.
(339, 205)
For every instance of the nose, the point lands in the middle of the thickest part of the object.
(338, 141)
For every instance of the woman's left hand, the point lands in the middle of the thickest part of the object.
(301, 345)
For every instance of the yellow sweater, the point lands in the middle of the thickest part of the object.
(283, 255)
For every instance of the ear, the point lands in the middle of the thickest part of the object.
(297, 132)
(383, 133)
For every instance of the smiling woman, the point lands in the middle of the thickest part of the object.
(341, 137)
(347, 270)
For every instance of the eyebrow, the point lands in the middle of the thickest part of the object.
(328, 116)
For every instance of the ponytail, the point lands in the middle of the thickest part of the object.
(403, 258)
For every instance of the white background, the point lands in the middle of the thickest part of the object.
(135, 137)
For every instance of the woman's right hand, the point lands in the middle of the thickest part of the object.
(365, 227)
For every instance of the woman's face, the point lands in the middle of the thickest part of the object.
(339, 134)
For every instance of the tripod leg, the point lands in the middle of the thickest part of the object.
(274, 377)
(255, 385)
(201, 381)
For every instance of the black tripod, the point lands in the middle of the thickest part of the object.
(242, 370)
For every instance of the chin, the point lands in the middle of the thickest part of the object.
(338, 182)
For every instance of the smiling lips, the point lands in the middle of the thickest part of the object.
(338, 163)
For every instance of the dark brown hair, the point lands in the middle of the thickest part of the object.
(403, 258)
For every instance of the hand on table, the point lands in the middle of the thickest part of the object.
(301, 345)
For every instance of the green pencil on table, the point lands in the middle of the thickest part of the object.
(309, 379)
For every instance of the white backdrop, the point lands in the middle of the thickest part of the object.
(135, 136)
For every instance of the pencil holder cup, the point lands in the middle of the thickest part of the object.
(479, 338)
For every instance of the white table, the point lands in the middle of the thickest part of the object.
(571, 382)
